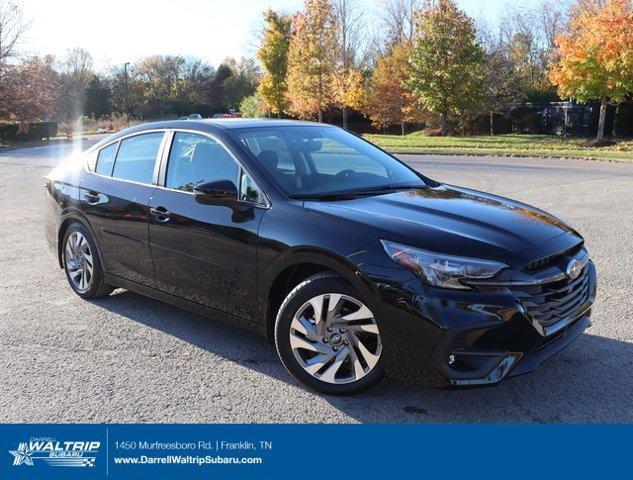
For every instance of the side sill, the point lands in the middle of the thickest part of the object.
(193, 307)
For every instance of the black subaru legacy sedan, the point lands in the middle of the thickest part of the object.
(351, 262)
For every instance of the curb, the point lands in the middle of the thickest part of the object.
(508, 155)
(43, 143)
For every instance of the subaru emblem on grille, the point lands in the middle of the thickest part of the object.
(574, 268)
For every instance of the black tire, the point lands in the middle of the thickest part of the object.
(319, 284)
(98, 288)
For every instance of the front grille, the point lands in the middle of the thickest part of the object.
(551, 259)
(551, 302)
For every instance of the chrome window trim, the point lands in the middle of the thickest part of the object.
(119, 140)
(98, 152)
(165, 158)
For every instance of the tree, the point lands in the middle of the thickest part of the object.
(348, 80)
(161, 76)
(76, 74)
(446, 61)
(215, 90)
(311, 60)
(98, 98)
(30, 91)
(349, 91)
(12, 27)
(127, 91)
(241, 83)
(398, 16)
(390, 101)
(253, 106)
(527, 34)
(273, 53)
(501, 85)
(194, 77)
(596, 55)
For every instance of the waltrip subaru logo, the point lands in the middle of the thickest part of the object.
(74, 453)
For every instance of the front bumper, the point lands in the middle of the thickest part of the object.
(467, 338)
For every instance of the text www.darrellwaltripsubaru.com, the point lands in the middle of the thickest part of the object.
(186, 460)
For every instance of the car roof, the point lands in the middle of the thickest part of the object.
(234, 123)
(209, 125)
(227, 123)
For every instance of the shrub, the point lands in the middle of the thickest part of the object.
(253, 106)
(12, 132)
(110, 123)
(502, 125)
(623, 121)
(432, 132)
(8, 132)
(530, 122)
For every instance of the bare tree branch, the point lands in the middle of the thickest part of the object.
(12, 27)
(351, 37)
(398, 17)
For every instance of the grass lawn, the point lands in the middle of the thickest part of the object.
(520, 145)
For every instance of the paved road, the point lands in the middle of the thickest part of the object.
(131, 359)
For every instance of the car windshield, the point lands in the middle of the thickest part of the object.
(317, 161)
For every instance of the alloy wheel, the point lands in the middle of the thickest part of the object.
(79, 262)
(335, 338)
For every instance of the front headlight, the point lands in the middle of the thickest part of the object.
(439, 269)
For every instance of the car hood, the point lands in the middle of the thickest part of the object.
(452, 220)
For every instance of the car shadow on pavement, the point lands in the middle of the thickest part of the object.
(590, 381)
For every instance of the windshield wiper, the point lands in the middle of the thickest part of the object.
(387, 188)
(325, 196)
(350, 194)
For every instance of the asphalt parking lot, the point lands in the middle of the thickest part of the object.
(131, 359)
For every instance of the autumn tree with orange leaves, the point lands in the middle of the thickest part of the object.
(29, 91)
(390, 100)
(596, 54)
(312, 60)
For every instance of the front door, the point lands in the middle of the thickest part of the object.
(205, 253)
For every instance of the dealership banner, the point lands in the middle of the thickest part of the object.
(313, 451)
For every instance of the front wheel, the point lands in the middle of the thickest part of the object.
(328, 338)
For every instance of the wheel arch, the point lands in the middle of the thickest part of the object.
(70, 217)
(296, 266)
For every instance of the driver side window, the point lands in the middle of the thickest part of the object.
(195, 159)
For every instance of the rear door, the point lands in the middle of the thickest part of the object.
(115, 199)
(205, 253)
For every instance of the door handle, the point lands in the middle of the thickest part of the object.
(161, 214)
(94, 198)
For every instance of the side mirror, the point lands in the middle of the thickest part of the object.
(219, 192)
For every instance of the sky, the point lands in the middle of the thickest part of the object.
(118, 31)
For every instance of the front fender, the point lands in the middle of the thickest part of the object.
(344, 266)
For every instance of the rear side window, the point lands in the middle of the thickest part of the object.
(105, 160)
(196, 159)
(136, 158)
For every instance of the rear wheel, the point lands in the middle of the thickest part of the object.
(328, 338)
(82, 263)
